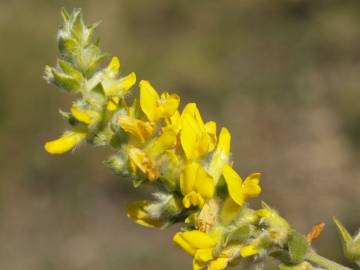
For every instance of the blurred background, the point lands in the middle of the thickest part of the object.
(284, 76)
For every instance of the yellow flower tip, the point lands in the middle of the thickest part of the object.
(234, 184)
(139, 129)
(224, 141)
(167, 105)
(248, 251)
(196, 185)
(114, 65)
(218, 264)
(81, 116)
(136, 211)
(65, 143)
(193, 199)
(148, 99)
(204, 255)
(181, 242)
(251, 186)
(197, 239)
(263, 213)
(113, 104)
(128, 81)
(210, 128)
(138, 159)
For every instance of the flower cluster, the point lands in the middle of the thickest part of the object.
(156, 142)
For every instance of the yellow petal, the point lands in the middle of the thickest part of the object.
(188, 177)
(81, 116)
(189, 136)
(136, 211)
(180, 241)
(65, 143)
(198, 265)
(204, 183)
(114, 66)
(234, 184)
(175, 122)
(224, 141)
(192, 110)
(264, 213)
(221, 155)
(113, 104)
(159, 145)
(248, 251)
(229, 211)
(146, 165)
(119, 87)
(149, 99)
(198, 240)
(204, 255)
(210, 128)
(251, 187)
(218, 264)
(140, 129)
(168, 105)
(193, 199)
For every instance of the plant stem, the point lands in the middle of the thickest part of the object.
(323, 262)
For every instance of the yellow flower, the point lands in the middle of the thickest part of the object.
(240, 190)
(66, 142)
(138, 128)
(113, 86)
(137, 211)
(113, 68)
(138, 159)
(160, 144)
(218, 264)
(87, 117)
(226, 255)
(192, 241)
(197, 138)
(173, 122)
(154, 106)
(196, 185)
(221, 154)
(201, 246)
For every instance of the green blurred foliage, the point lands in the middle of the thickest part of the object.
(282, 75)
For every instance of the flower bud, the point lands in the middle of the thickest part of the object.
(351, 245)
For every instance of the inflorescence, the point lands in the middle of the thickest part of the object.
(185, 158)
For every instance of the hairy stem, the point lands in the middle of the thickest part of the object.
(324, 262)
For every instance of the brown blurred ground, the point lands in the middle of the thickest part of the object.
(282, 75)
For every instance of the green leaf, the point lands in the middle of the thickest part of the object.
(298, 247)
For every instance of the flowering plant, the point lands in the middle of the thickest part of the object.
(190, 163)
